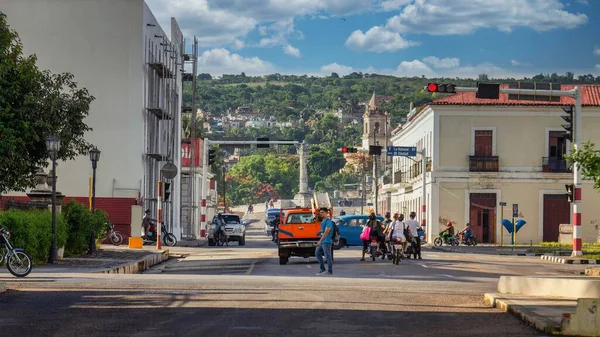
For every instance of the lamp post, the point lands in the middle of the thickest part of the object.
(94, 158)
(53, 147)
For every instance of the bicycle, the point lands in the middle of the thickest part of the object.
(115, 237)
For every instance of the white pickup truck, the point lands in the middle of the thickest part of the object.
(234, 229)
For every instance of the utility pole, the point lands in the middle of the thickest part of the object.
(423, 186)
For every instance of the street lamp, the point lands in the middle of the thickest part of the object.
(94, 158)
(53, 146)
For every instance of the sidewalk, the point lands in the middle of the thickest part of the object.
(489, 250)
(555, 305)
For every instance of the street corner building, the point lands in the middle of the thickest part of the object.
(483, 152)
(120, 53)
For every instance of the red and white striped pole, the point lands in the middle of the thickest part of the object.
(424, 191)
(159, 216)
(577, 135)
(203, 219)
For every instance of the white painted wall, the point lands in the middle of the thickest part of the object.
(101, 43)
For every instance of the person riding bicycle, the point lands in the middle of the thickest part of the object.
(220, 227)
(448, 232)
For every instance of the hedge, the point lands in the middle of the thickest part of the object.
(32, 229)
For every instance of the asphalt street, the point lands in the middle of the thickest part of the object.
(243, 291)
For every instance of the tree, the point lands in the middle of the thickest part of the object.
(33, 106)
(588, 158)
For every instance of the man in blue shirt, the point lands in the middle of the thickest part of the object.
(325, 242)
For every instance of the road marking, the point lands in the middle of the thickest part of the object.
(251, 268)
(449, 276)
(424, 266)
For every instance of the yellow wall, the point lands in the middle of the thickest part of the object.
(452, 207)
(520, 140)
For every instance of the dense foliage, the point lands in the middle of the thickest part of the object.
(309, 101)
(35, 104)
(80, 223)
(588, 158)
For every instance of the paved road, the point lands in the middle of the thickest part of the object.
(243, 291)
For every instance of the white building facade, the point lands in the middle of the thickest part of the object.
(118, 51)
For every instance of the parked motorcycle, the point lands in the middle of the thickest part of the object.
(446, 239)
(17, 261)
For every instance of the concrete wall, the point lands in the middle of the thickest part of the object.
(101, 43)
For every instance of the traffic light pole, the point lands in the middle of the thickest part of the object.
(577, 144)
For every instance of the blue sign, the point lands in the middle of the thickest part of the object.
(405, 151)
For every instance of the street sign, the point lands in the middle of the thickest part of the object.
(502, 203)
(515, 210)
(405, 151)
(169, 170)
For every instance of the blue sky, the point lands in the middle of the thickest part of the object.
(397, 37)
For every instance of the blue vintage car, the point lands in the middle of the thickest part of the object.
(350, 227)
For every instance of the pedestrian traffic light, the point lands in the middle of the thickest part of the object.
(166, 191)
(262, 146)
(375, 150)
(569, 119)
(570, 188)
(349, 149)
(442, 88)
(212, 154)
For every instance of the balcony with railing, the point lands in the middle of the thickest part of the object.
(555, 165)
(483, 164)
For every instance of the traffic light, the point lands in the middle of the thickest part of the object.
(262, 146)
(349, 149)
(569, 119)
(212, 154)
(442, 88)
(166, 191)
(375, 150)
(570, 188)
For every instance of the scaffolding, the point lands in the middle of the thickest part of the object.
(161, 118)
(189, 180)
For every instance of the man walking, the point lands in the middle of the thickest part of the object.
(413, 226)
(325, 242)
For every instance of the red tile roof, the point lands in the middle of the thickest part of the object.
(590, 96)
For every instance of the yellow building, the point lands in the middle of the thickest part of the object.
(483, 152)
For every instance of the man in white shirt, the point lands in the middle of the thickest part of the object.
(397, 229)
(413, 226)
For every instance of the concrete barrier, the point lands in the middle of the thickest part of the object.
(567, 287)
(141, 265)
(584, 322)
(2, 287)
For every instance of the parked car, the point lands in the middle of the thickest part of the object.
(350, 227)
(269, 216)
(234, 229)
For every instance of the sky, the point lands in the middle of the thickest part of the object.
(452, 38)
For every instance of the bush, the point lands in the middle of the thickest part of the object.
(32, 231)
(80, 223)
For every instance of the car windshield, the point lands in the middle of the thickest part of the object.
(300, 218)
(231, 218)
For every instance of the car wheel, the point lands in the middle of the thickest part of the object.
(211, 242)
(283, 260)
(340, 245)
(242, 241)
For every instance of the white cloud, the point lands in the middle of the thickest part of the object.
(597, 66)
(597, 51)
(377, 39)
(413, 68)
(515, 63)
(220, 61)
(291, 50)
(262, 30)
(390, 5)
(336, 68)
(442, 63)
(238, 44)
(442, 17)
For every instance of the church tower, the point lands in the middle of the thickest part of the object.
(376, 125)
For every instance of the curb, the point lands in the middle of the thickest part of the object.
(532, 319)
(561, 260)
(2, 287)
(592, 271)
(450, 250)
(140, 265)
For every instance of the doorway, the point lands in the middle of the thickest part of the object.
(482, 213)
(557, 210)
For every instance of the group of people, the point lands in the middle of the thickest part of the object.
(396, 230)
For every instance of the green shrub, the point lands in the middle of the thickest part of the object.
(32, 231)
(80, 223)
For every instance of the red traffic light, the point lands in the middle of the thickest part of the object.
(344, 149)
(432, 87)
